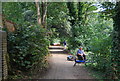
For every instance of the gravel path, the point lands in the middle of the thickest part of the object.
(60, 68)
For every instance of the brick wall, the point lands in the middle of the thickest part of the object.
(0, 55)
(3, 49)
(3, 53)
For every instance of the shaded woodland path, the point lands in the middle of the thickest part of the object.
(60, 68)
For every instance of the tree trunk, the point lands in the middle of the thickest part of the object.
(72, 12)
(73, 16)
(115, 55)
(80, 6)
(38, 12)
(44, 13)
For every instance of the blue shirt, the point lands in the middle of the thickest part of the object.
(80, 51)
(64, 43)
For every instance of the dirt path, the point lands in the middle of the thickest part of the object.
(60, 68)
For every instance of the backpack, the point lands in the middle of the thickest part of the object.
(70, 58)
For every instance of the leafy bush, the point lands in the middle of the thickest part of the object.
(26, 47)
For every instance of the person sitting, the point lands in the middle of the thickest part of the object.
(81, 54)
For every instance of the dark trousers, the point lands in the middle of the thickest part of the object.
(81, 58)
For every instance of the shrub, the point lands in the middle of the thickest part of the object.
(26, 47)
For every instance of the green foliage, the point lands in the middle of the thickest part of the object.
(72, 12)
(77, 23)
(94, 33)
(57, 21)
(100, 42)
(27, 46)
(115, 54)
(80, 34)
(109, 9)
(19, 12)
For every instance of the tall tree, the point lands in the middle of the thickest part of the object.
(72, 12)
(116, 43)
(73, 15)
(44, 12)
(80, 6)
(41, 12)
(38, 12)
(112, 10)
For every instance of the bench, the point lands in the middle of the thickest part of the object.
(79, 61)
